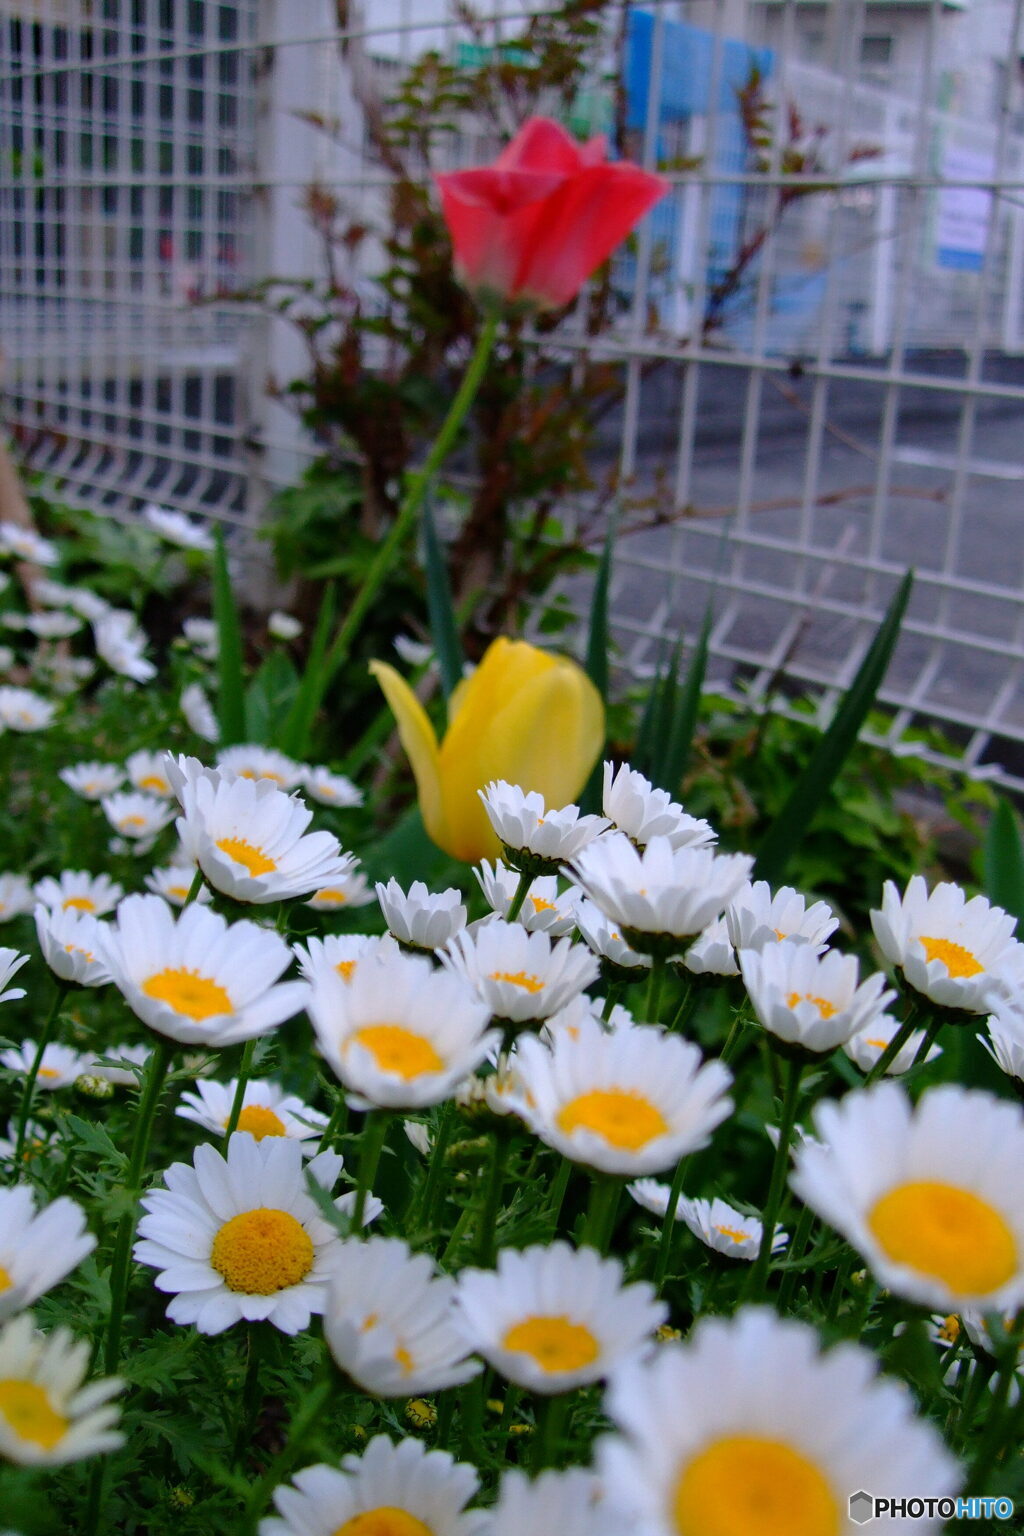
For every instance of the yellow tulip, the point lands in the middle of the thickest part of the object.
(524, 715)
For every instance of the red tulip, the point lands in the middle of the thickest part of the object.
(534, 225)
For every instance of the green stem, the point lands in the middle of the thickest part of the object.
(776, 1188)
(558, 1190)
(551, 1417)
(335, 1127)
(684, 1012)
(994, 1439)
(250, 1393)
(652, 1007)
(611, 998)
(244, 1073)
(525, 881)
(374, 1135)
(892, 1050)
(665, 1245)
(927, 1041)
(796, 1250)
(305, 1420)
(194, 888)
(435, 1166)
(601, 1211)
(63, 987)
(838, 1287)
(472, 1405)
(390, 548)
(732, 1039)
(492, 1202)
(445, 1414)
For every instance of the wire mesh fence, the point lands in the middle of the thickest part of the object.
(819, 347)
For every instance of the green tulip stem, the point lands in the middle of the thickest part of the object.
(525, 881)
(244, 1073)
(665, 1244)
(45, 1035)
(777, 1186)
(601, 1211)
(390, 548)
(374, 1136)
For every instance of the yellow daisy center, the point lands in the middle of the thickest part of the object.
(81, 903)
(733, 1233)
(76, 949)
(957, 960)
(131, 821)
(5, 1280)
(824, 1007)
(345, 968)
(404, 1359)
(247, 854)
(398, 1050)
(946, 1233)
(949, 1332)
(187, 992)
(48, 1072)
(540, 905)
(179, 892)
(329, 893)
(555, 1343)
(519, 979)
(260, 1121)
(261, 1252)
(385, 1520)
(621, 1116)
(878, 1045)
(263, 773)
(30, 1414)
(155, 782)
(744, 1485)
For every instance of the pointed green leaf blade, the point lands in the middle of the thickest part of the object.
(682, 726)
(297, 731)
(231, 677)
(596, 661)
(817, 778)
(444, 628)
(1004, 860)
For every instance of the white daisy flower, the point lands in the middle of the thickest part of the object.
(652, 1194)
(250, 840)
(198, 712)
(757, 916)
(196, 978)
(661, 895)
(254, 762)
(552, 1318)
(866, 1046)
(417, 1136)
(390, 1490)
(16, 896)
(241, 1238)
(53, 626)
(388, 1320)
(283, 626)
(531, 834)
(38, 1249)
(415, 652)
(176, 528)
(115, 1063)
(810, 1000)
(79, 891)
(203, 636)
(421, 918)
(93, 781)
(720, 1226)
(137, 817)
(23, 710)
(174, 881)
(747, 1427)
(121, 643)
(633, 805)
(545, 909)
(399, 1033)
(48, 1416)
(27, 545)
(64, 674)
(329, 788)
(350, 890)
(604, 938)
(10, 963)
(519, 975)
(147, 773)
(36, 1140)
(53, 594)
(71, 943)
(266, 1111)
(931, 1196)
(584, 1008)
(570, 1503)
(711, 953)
(1005, 1043)
(951, 949)
(89, 604)
(631, 1102)
(340, 952)
(60, 1066)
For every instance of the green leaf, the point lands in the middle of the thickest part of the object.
(596, 662)
(269, 695)
(298, 727)
(817, 778)
(95, 1139)
(444, 628)
(1004, 860)
(682, 724)
(231, 685)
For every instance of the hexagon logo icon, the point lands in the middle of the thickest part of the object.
(862, 1507)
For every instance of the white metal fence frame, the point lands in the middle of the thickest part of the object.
(854, 414)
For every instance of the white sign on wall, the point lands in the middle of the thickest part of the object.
(961, 222)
